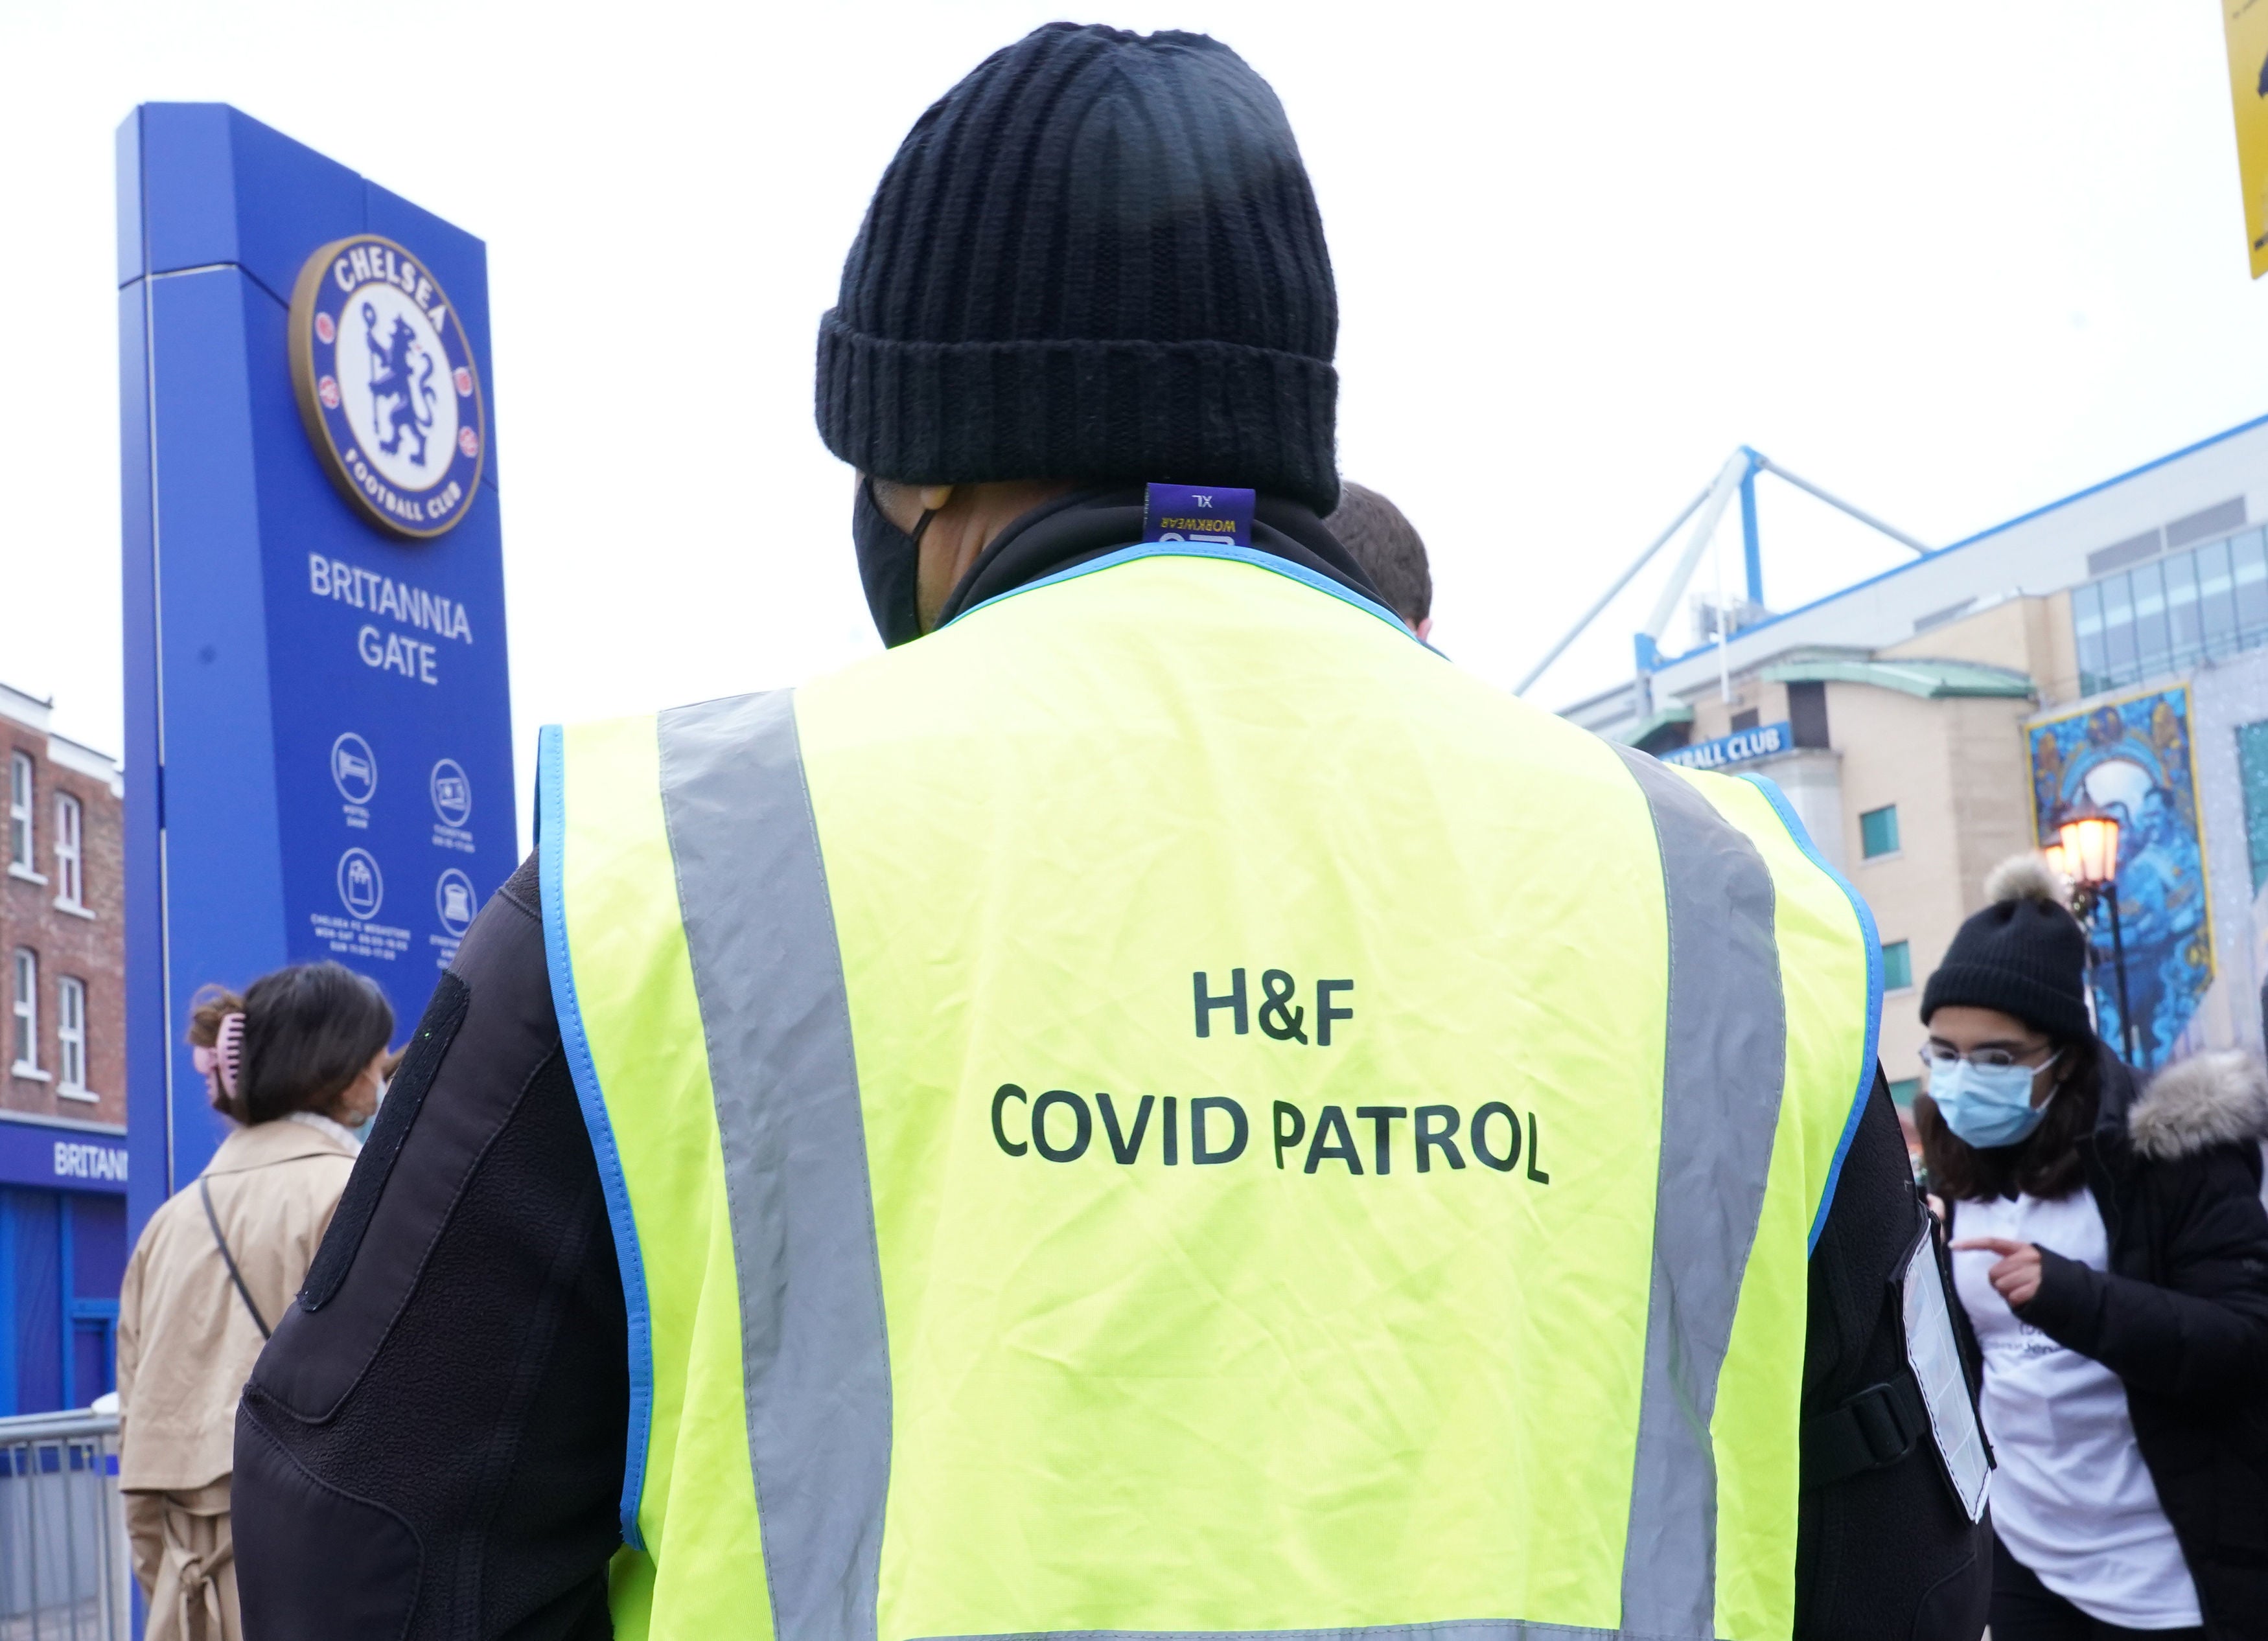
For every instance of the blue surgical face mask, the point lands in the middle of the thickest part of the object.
(1988, 1105)
(362, 1128)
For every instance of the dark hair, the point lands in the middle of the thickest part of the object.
(1387, 547)
(2046, 1165)
(309, 1030)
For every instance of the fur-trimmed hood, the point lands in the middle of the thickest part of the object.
(2207, 1099)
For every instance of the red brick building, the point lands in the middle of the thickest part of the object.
(62, 1062)
(63, 923)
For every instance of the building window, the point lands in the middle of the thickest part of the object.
(1807, 712)
(2201, 603)
(71, 885)
(26, 1011)
(71, 1038)
(1877, 831)
(1898, 967)
(20, 811)
(1745, 720)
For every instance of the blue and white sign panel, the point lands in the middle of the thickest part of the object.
(1742, 746)
(62, 1158)
(317, 718)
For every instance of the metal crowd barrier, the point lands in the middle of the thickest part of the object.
(64, 1571)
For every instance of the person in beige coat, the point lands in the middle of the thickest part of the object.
(294, 1064)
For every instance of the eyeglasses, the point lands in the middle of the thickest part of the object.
(1934, 1056)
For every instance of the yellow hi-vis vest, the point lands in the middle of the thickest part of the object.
(1165, 1107)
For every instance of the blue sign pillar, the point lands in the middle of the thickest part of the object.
(318, 718)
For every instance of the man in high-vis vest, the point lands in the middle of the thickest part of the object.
(1157, 1106)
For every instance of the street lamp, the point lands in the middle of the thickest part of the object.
(2086, 852)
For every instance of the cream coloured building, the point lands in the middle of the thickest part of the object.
(2109, 649)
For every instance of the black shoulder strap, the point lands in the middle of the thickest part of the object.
(228, 1259)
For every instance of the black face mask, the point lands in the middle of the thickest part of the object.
(888, 561)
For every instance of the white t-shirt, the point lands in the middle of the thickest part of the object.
(2073, 1498)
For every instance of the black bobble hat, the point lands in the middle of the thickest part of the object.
(2024, 954)
(1097, 258)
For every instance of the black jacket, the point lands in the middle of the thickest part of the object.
(431, 1444)
(2182, 1315)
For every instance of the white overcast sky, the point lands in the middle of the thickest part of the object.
(1950, 259)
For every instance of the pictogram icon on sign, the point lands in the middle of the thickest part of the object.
(362, 890)
(354, 767)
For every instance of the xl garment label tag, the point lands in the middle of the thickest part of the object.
(1181, 512)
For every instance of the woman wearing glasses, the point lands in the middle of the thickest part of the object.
(2111, 1251)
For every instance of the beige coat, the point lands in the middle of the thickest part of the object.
(185, 1343)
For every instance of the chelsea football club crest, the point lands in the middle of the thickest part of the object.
(386, 384)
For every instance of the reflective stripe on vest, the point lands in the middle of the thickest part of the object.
(779, 1028)
(685, 894)
(1719, 1106)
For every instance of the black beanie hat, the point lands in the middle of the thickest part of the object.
(2024, 954)
(1097, 258)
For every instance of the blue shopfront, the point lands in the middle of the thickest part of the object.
(63, 1251)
